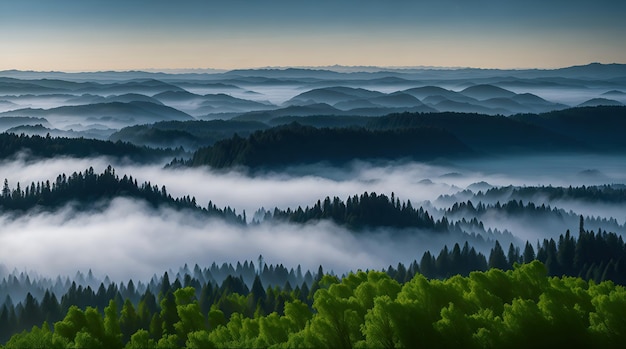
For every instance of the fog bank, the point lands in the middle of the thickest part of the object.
(127, 239)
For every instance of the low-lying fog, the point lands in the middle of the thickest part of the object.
(127, 239)
(304, 185)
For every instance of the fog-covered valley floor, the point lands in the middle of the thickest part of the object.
(126, 238)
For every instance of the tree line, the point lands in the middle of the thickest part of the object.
(48, 147)
(592, 193)
(365, 210)
(296, 144)
(368, 210)
(518, 308)
(88, 187)
(538, 213)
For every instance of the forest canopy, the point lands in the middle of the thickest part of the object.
(518, 308)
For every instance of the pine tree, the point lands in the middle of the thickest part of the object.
(497, 259)
(529, 253)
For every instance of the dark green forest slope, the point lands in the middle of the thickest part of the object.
(598, 127)
(488, 134)
(297, 144)
(190, 134)
(420, 136)
(36, 147)
(88, 188)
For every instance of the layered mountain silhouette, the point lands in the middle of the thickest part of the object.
(112, 115)
(484, 99)
(8, 122)
(594, 102)
(198, 105)
(79, 102)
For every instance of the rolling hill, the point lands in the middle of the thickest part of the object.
(112, 115)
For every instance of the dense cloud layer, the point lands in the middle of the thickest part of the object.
(126, 239)
(306, 184)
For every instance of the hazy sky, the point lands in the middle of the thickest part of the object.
(79, 35)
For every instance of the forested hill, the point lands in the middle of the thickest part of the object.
(600, 127)
(361, 211)
(590, 129)
(601, 193)
(583, 129)
(485, 133)
(296, 144)
(49, 147)
(89, 187)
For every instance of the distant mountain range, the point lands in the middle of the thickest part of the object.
(592, 71)
(111, 115)
(101, 103)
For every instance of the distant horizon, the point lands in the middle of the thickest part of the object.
(344, 68)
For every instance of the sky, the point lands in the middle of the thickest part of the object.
(92, 35)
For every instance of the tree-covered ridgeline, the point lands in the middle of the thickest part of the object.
(89, 187)
(296, 144)
(369, 210)
(573, 130)
(598, 127)
(191, 134)
(615, 193)
(518, 308)
(48, 147)
(582, 129)
(603, 256)
(534, 214)
(360, 211)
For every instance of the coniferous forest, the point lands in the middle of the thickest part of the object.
(313, 208)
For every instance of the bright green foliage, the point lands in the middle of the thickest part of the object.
(95, 324)
(199, 340)
(169, 314)
(339, 314)
(156, 326)
(233, 303)
(216, 318)
(36, 338)
(85, 339)
(518, 308)
(188, 309)
(378, 328)
(608, 322)
(112, 330)
(141, 340)
(168, 341)
(273, 329)
(240, 332)
(129, 320)
(74, 321)
(298, 314)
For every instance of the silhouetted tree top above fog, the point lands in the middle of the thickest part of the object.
(38, 147)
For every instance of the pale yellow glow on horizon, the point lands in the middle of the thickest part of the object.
(83, 52)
